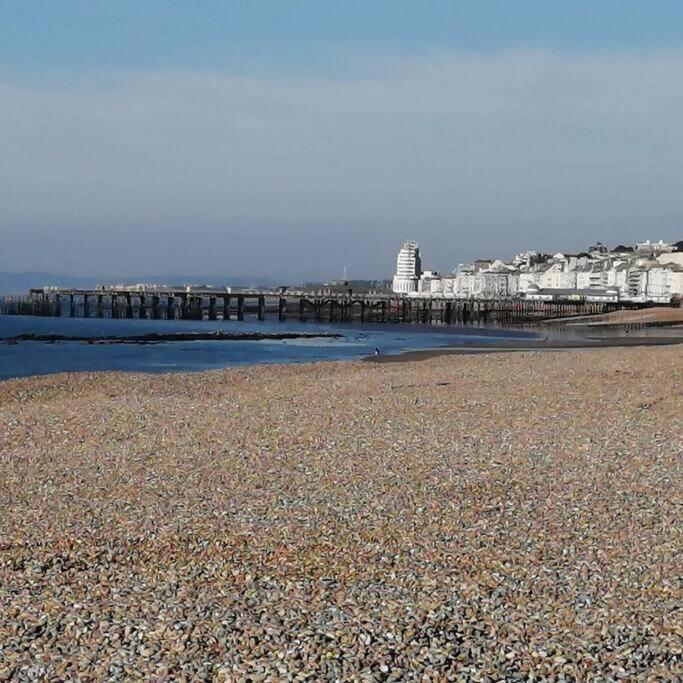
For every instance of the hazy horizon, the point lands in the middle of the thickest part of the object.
(291, 143)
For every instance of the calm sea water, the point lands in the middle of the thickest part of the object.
(39, 358)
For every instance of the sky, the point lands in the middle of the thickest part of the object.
(293, 139)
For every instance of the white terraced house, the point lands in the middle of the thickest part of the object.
(652, 271)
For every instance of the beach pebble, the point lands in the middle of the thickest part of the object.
(506, 517)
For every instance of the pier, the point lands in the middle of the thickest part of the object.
(216, 304)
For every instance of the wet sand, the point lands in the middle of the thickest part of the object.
(541, 345)
(656, 315)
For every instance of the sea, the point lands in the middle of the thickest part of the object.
(28, 358)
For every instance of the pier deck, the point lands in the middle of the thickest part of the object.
(215, 304)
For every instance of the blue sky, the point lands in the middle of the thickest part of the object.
(249, 34)
(300, 137)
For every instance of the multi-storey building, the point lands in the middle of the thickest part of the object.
(654, 248)
(558, 276)
(408, 269)
(650, 272)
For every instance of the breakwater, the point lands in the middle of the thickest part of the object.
(218, 335)
(213, 304)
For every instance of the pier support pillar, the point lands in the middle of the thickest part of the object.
(142, 312)
(129, 306)
(261, 307)
(332, 311)
(170, 308)
(302, 309)
(100, 312)
(240, 307)
(226, 307)
(183, 306)
(72, 306)
(212, 308)
(197, 308)
(448, 314)
(282, 309)
(155, 307)
(86, 308)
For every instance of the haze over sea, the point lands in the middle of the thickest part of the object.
(357, 341)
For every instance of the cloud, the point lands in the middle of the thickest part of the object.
(188, 170)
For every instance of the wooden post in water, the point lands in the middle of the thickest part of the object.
(331, 313)
(226, 307)
(170, 308)
(183, 307)
(240, 307)
(282, 309)
(86, 309)
(72, 306)
(142, 311)
(114, 312)
(302, 309)
(155, 307)
(448, 313)
(100, 312)
(261, 314)
(129, 305)
(212, 308)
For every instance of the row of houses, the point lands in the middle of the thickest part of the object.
(649, 271)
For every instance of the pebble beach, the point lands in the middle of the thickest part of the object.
(503, 517)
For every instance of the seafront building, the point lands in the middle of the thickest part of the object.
(408, 269)
(648, 271)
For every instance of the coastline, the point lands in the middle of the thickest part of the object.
(544, 345)
(142, 347)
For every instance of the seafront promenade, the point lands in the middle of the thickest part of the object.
(497, 517)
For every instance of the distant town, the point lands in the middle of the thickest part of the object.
(646, 271)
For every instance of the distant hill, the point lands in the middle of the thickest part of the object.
(20, 283)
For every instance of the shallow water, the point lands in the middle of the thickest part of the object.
(358, 341)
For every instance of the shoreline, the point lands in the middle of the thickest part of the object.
(544, 345)
(656, 316)
(579, 337)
